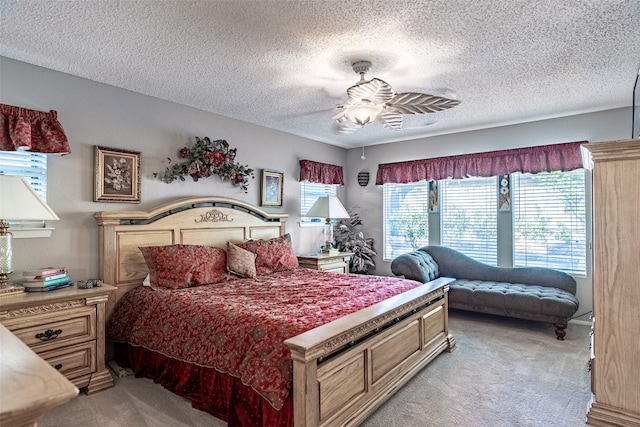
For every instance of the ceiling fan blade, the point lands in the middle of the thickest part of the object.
(391, 120)
(338, 117)
(346, 126)
(375, 90)
(419, 103)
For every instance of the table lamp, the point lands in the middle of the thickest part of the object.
(18, 202)
(328, 207)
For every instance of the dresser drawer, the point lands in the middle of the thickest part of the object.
(49, 331)
(73, 361)
(66, 328)
(337, 263)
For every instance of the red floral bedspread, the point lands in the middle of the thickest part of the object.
(239, 326)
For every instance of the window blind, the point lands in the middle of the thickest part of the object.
(405, 218)
(468, 220)
(32, 166)
(549, 220)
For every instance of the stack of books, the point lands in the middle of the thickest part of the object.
(46, 279)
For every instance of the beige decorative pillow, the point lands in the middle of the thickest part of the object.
(241, 261)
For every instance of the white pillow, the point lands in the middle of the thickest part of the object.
(146, 281)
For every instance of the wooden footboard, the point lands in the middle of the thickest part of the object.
(344, 370)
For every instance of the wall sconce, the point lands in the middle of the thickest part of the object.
(363, 179)
(19, 202)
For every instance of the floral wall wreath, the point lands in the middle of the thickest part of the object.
(206, 158)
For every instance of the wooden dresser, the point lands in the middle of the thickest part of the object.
(66, 328)
(615, 364)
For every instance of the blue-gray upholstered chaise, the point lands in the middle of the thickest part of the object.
(531, 293)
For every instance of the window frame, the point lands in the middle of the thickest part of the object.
(476, 213)
(505, 225)
(566, 223)
(421, 190)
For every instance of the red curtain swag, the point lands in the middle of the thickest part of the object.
(320, 173)
(545, 158)
(31, 130)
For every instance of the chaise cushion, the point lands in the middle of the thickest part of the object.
(532, 302)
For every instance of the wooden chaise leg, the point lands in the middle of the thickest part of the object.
(560, 330)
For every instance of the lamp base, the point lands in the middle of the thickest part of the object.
(8, 289)
(328, 249)
(331, 251)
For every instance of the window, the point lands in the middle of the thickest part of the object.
(405, 218)
(549, 220)
(309, 193)
(468, 219)
(32, 166)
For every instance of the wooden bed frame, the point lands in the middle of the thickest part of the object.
(342, 371)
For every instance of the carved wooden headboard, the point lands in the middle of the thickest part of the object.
(210, 221)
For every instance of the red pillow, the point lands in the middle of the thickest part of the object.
(184, 266)
(272, 255)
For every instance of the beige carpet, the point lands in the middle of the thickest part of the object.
(504, 373)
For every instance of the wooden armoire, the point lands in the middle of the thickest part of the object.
(615, 344)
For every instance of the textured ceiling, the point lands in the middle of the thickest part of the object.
(286, 64)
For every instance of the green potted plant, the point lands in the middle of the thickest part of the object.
(350, 238)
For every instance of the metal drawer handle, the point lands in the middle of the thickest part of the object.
(58, 366)
(49, 334)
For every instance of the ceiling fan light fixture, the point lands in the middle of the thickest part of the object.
(375, 99)
(362, 112)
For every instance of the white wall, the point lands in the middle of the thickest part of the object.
(602, 126)
(97, 114)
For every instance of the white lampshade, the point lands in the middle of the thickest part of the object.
(19, 202)
(328, 207)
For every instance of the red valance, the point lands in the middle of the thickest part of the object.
(544, 158)
(321, 173)
(31, 130)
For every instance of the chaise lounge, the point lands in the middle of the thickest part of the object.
(531, 293)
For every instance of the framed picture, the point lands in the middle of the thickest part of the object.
(117, 175)
(271, 188)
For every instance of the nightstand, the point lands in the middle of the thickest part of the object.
(66, 328)
(338, 263)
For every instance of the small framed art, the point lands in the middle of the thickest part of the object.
(433, 196)
(271, 188)
(117, 175)
(504, 197)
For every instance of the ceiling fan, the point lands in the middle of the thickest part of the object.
(370, 100)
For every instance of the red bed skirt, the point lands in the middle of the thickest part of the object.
(219, 394)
